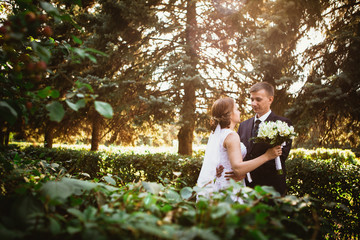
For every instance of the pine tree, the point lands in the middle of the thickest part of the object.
(328, 103)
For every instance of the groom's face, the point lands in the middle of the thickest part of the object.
(261, 102)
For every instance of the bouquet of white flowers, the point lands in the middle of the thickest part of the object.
(274, 134)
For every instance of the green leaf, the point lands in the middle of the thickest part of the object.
(67, 18)
(90, 213)
(104, 109)
(56, 111)
(92, 58)
(76, 106)
(55, 226)
(96, 51)
(72, 230)
(80, 52)
(173, 196)
(221, 210)
(71, 105)
(79, 84)
(109, 180)
(49, 8)
(43, 52)
(152, 187)
(81, 103)
(55, 94)
(76, 39)
(44, 93)
(186, 192)
(57, 190)
(149, 200)
(166, 208)
(77, 213)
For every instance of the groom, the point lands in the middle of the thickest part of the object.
(262, 96)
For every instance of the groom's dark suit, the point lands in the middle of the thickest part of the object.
(266, 174)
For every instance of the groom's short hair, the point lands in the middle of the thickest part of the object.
(263, 85)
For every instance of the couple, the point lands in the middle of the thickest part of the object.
(232, 155)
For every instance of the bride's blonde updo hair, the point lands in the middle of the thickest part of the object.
(221, 112)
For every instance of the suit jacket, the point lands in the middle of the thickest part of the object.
(266, 174)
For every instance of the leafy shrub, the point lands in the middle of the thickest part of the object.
(126, 167)
(75, 161)
(335, 184)
(342, 155)
(152, 167)
(328, 176)
(49, 205)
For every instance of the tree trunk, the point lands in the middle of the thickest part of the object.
(7, 137)
(95, 135)
(49, 135)
(186, 133)
(2, 135)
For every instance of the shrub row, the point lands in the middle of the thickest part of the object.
(45, 204)
(127, 167)
(327, 175)
(342, 155)
(335, 184)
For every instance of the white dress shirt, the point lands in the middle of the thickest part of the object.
(262, 118)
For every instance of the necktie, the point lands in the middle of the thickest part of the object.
(256, 128)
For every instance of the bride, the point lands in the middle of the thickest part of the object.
(225, 148)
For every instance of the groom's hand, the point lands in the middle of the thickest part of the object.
(219, 171)
(232, 175)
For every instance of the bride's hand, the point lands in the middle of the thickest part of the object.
(274, 152)
(232, 175)
(219, 171)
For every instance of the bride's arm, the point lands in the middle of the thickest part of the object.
(240, 168)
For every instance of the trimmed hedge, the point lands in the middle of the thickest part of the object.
(75, 161)
(335, 184)
(342, 155)
(126, 167)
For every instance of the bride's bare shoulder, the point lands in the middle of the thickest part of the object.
(232, 138)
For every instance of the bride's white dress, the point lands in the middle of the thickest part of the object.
(221, 182)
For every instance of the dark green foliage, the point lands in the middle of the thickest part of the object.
(326, 111)
(45, 204)
(330, 175)
(34, 87)
(74, 161)
(335, 183)
(127, 167)
(153, 167)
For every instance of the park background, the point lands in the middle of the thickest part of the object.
(126, 79)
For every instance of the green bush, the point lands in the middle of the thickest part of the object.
(327, 175)
(342, 155)
(127, 167)
(153, 167)
(75, 161)
(335, 183)
(47, 205)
